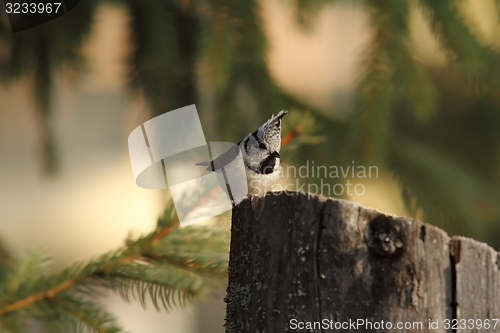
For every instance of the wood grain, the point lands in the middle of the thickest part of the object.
(314, 259)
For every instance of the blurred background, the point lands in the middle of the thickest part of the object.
(411, 87)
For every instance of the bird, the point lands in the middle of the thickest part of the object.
(260, 152)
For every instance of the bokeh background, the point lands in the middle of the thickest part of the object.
(412, 87)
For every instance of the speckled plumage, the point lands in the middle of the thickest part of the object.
(261, 156)
(260, 150)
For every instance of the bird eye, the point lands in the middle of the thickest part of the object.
(262, 146)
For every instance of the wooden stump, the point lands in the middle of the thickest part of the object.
(313, 264)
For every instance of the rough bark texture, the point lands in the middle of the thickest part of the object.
(315, 259)
(477, 284)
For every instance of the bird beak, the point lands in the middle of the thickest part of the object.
(275, 154)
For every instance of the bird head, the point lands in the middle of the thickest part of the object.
(264, 143)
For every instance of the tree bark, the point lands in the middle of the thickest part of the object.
(298, 259)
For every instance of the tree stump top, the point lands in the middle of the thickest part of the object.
(302, 258)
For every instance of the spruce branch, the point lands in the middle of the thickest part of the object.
(195, 240)
(300, 128)
(43, 89)
(391, 76)
(82, 315)
(159, 281)
(38, 53)
(376, 89)
(149, 264)
(459, 43)
(216, 45)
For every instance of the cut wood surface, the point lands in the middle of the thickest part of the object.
(299, 260)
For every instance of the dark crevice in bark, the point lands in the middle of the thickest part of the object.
(454, 259)
(319, 232)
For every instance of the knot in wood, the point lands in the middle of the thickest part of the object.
(385, 236)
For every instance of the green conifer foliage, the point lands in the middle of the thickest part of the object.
(405, 120)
